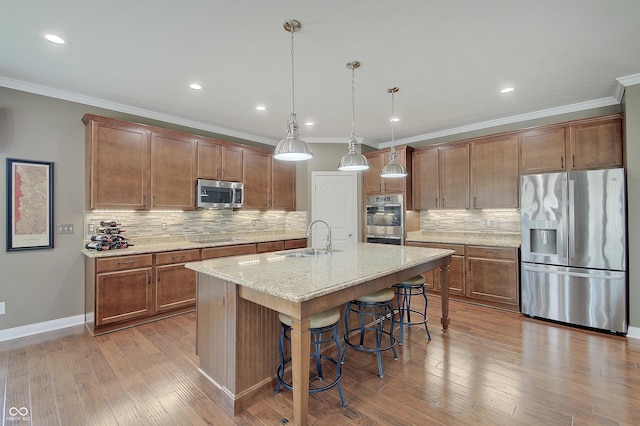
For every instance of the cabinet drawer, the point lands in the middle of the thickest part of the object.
(122, 263)
(492, 252)
(457, 248)
(270, 246)
(213, 252)
(293, 244)
(180, 256)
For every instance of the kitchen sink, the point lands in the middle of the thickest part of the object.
(310, 252)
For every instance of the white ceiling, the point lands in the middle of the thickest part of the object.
(449, 58)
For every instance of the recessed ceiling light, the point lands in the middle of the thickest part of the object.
(261, 108)
(54, 39)
(395, 119)
(309, 123)
(195, 86)
(507, 90)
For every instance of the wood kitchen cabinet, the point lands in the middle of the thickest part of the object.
(173, 171)
(256, 165)
(456, 269)
(494, 172)
(492, 275)
(122, 288)
(441, 177)
(219, 161)
(542, 150)
(283, 185)
(117, 164)
(596, 143)
(175, 285)
(373, 184)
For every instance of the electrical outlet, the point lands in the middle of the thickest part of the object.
(164, 226)
(65, 229)
(2, 312)
(90, 228)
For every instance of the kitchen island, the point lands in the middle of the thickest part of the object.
(239, 298)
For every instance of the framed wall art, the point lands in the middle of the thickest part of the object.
(29, 205)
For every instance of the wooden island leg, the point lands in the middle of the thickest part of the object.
(444, 294)
(300, 351)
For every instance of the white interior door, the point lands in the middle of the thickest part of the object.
(334, 199)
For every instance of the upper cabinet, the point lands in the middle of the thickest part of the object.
(441, 177)
(594, 143)
(173, 171)
(117, 164)
(373, 183)
(269, 184)
(283, 185)
(218, 161)
(494, 172)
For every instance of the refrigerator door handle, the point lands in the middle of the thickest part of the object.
(572, 220)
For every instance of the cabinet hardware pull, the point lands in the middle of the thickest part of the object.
(122, 262)
(573, 160)
(159, 275)
(144, 201)
(562, 162)
(175, 256)
(436, 202)
(442, 202)
(224, 299)
(474, 202)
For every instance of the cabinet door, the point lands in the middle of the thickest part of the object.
(494, 172)
(173, 171)
(118, 166)
(175, 287)
(232, 163)
(542, 151)
(596, 145)
(209, 160)
(454, 176)
(283, 185)
(371, 180)
(456, 276)
(426, 193)
(257, 178)
(492, 274)
(123, 295)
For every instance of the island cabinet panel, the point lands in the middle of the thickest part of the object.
(492, 275)
(173, 171)
(456, 269)
(257, 177)
(117, 164)
(123, 289)
(596, 144)
(542, 150)
(218, 161)
(236, 250)
(175, 284)
(494, 172)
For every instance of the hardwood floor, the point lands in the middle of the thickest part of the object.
(493, 367)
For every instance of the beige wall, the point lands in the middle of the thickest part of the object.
(44, 285)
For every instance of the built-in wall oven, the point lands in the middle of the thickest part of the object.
(384, 219)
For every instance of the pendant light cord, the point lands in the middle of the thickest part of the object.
(393, 120)
(353, 101)
(293, 90)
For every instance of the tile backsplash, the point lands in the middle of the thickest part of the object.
(184, 224)
(497, 221)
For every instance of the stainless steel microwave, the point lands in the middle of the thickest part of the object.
(217, 194)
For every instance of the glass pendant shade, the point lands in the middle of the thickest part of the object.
(353, 160)
(292, 148)
(393, 169)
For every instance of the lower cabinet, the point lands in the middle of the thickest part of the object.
(485, 275)
(175, 284)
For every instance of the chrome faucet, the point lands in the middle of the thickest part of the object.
(329, 249)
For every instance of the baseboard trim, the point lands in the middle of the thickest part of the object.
(633, 332)
(41, 327)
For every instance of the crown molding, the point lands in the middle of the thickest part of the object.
(344, 141)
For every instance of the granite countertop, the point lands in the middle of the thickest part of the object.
(160, 244)
(506, 239)
(298, 279)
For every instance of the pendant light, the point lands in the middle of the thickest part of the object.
(393, 169)
(353, 160)
(292, 148)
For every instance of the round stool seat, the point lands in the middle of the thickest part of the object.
(416, 281)
(323, 319)
(384, 295)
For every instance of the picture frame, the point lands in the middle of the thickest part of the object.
(29, 205)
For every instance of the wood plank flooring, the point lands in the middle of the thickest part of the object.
(493, 368)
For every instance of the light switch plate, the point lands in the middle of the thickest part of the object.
(65, 229)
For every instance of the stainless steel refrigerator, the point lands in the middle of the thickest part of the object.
(574, 248)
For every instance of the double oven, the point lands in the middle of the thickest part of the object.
(384, 219)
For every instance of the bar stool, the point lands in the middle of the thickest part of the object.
(373, 312)
(413, 286)
(324, 329)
